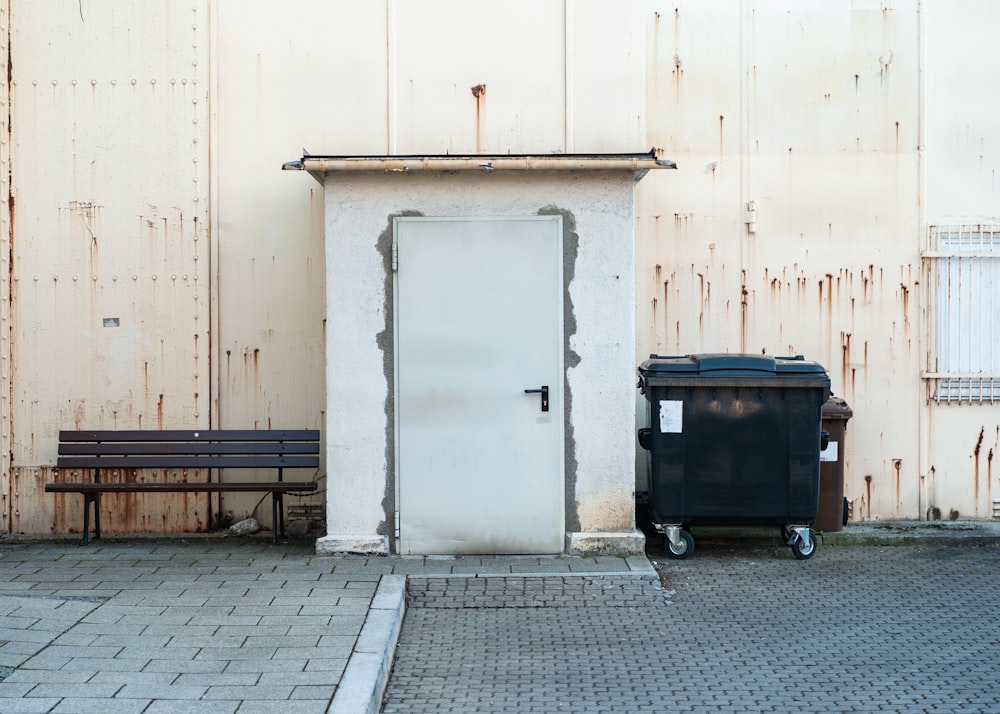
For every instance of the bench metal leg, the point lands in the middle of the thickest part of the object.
(91, 498)
(97, 516)
(275, 498)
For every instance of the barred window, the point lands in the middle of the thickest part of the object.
(965, 267)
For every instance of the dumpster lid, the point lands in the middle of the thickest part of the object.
(837, 408)
(727, 363)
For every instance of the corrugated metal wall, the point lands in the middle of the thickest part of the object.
(111, 271)
(165, 272)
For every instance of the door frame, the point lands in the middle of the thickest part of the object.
(559, 391)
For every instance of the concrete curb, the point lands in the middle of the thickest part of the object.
(367, 673)
(914, 532)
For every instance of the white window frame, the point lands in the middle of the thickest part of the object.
(964, 271)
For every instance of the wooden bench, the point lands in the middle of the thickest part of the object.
(174, 450)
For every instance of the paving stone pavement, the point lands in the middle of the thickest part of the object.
(175, 626)
(908, 627)
(208, 624)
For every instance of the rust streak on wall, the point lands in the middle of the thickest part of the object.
(845, 348)
(666, 293)
(989, 476)
(479, 92)
(975, 464)
(897, 465)
(743, 311)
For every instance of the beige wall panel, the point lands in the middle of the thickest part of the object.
(694, 78)
(838, 285)
(963, 137)
(962, 166)
(5, 285)
(771, 112)
(110, 276)
(688, 260)
(833, 268)
(278, 92)
(962, 480)
(605, 102)
(827, 77)
(441, 49)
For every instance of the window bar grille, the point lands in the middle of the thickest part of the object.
(966, 269)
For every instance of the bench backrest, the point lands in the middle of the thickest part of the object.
(279, 448)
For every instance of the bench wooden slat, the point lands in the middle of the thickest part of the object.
(188, 448)
(186, 462)
(193, 435)
(213, 487)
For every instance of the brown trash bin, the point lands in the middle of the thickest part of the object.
(831, 515)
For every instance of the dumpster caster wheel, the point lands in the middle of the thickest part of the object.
(803, 550)
(683, 548)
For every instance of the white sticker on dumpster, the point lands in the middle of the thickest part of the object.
(671, 416)
(829, 453)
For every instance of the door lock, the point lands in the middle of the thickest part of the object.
(544, 391)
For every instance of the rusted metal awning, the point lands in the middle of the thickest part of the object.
(639, 164)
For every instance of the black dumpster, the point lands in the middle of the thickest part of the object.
(734, 439)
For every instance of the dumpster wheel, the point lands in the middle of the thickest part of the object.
(681, 546)
(803, 543)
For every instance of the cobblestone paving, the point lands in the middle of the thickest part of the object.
(907, 628)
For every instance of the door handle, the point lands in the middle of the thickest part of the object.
(544, 391)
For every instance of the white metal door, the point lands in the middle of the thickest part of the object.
(478, 322)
